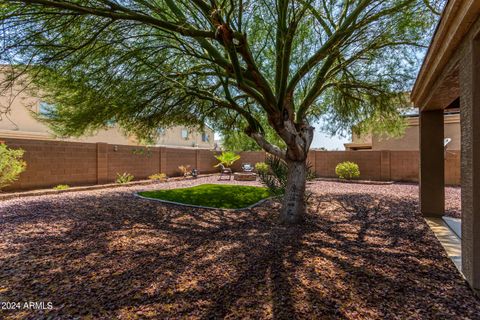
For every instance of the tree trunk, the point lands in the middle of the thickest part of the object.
(293, 209)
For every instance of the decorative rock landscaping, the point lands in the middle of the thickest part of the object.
(364, 252)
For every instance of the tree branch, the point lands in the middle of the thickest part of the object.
(128, 15)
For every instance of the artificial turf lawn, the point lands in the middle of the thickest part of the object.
(212, 195)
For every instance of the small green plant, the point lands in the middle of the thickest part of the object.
(273, 173)
(62, 187)
(124, 178)
(347, 170)
(261, 167)
(227, 158)
(185, 170)
(162, 177)
(311, 174)
(142, 151)
(11, 165)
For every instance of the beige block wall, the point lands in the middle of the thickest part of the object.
(404, 165)
(141, 162)
(368, 161)
(251, 157)
(206, 161)
(453, 167)
(50, 163)
(452, 131)
(178, 157)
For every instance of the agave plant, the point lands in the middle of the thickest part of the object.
(124, 178)
(227, 158)
(273, 174)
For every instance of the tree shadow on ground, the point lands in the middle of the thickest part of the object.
(358, 256)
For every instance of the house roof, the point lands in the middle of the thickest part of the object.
(456, 20)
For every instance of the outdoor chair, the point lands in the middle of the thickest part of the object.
(225, 171)
(247, 167)
(195, 173)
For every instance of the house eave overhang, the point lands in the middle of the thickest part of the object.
(353, 145)
(456, 20)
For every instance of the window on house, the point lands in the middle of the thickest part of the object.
(185, 134)
(205, 137)
(110, 123)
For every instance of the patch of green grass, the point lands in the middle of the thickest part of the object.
(212, 195)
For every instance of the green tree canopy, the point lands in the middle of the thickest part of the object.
(144, 64)
(235, 138)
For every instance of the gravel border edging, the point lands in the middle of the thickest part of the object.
(43, 192)
(374, 182)
(203, 207)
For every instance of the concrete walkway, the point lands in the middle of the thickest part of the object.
(454, 224)
(449, 240)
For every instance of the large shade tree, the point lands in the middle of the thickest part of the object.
(230, 63)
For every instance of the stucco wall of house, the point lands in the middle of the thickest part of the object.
(19, 105)
(173, 137)
(361, 138)
(19, 122)
(410, 139)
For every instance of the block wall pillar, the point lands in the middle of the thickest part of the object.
(385, 166)
(162, 165)
(102, 163)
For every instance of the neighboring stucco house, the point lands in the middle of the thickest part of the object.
(186, 137)
(410, 140)
(19, 122)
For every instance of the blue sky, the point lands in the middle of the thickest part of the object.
(323, 139)
(326, 140)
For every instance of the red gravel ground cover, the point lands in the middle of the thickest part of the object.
(363, 253)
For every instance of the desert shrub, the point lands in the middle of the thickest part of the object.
(124, 178)
(185, 170)
(261, 167)
(311, 175)
(158, 177)
(11, 165)
(62, 187)
(347, 170)
(273, 174)
(227, 158)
